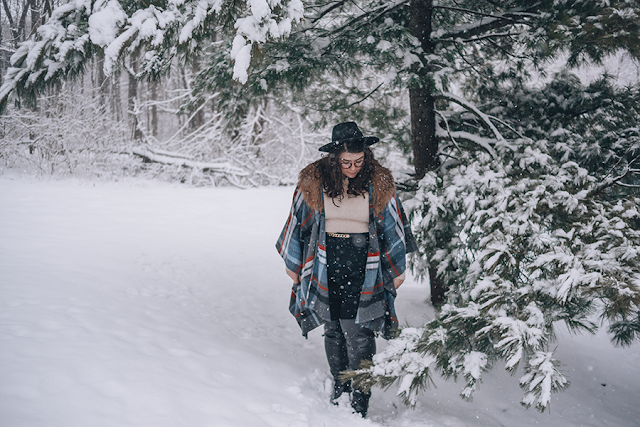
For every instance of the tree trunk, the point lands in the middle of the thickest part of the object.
(12, 25)
(198, 119)
(22, 24)
(154, 108)
(438, 289)
(132, 97)
(103, 83)
(423, 130)
(116, 100)
(46, 11)
(2, 55)
(422, 103)
(35, 16)
(423, 114)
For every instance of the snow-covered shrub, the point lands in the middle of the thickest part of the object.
(70, 134)
(266, 148)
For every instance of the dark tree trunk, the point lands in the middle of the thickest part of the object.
(2, 55)
(198, 119)
(154, 108)
(22, 24)
(423, 130)
(422, 103)
(423, 114)
(12, 24)
(116, 100)
(438, 289)
(35, 16)
(103, 82)
(132, 96)
(46, 11)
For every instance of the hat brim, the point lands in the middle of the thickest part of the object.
(332, 146)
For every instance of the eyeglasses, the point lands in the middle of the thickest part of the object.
(346, 164)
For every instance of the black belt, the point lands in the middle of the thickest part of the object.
(345, 235)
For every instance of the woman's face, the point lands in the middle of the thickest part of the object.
(351, 163)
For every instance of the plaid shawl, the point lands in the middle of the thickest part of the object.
(302, 245)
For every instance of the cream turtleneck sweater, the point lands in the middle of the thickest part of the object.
(349, 215)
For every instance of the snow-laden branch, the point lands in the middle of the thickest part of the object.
(65, 43)
(483, 37)
(439, 130)
(461, 135)
(455, 136)
(177, 159)
(260, 24)
(541, 379)
(188, 121)
(59, 47)
(486, 119)
(400, 363)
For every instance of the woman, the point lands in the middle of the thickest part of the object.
(344, 246)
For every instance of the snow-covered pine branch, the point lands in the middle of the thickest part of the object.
(60, 49)
(541, 378)
(76, 30)
(400, 362)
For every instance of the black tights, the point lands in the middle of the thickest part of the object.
(347, 344)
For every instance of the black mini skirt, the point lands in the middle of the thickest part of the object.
(346, 264)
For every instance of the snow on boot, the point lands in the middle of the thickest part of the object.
(338, 389)
(360, 402)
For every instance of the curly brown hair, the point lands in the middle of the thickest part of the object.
(333, 178)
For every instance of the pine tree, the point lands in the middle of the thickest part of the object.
(547, 234)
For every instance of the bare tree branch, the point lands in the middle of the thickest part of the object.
(473, 12)
(378, 11)
(326, 11)
(489, 23)
(608, 182)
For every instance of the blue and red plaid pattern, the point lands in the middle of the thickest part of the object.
(302, 245)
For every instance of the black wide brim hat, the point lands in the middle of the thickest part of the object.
(347, 132)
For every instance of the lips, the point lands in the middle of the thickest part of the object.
(351, 173)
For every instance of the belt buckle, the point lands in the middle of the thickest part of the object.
(340, 235)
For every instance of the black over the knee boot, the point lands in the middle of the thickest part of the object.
(360, 402)
(361, 345)
(335, 347)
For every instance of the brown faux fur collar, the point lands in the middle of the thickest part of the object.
(310, 183)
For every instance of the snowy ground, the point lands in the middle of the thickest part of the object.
(151, 305)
